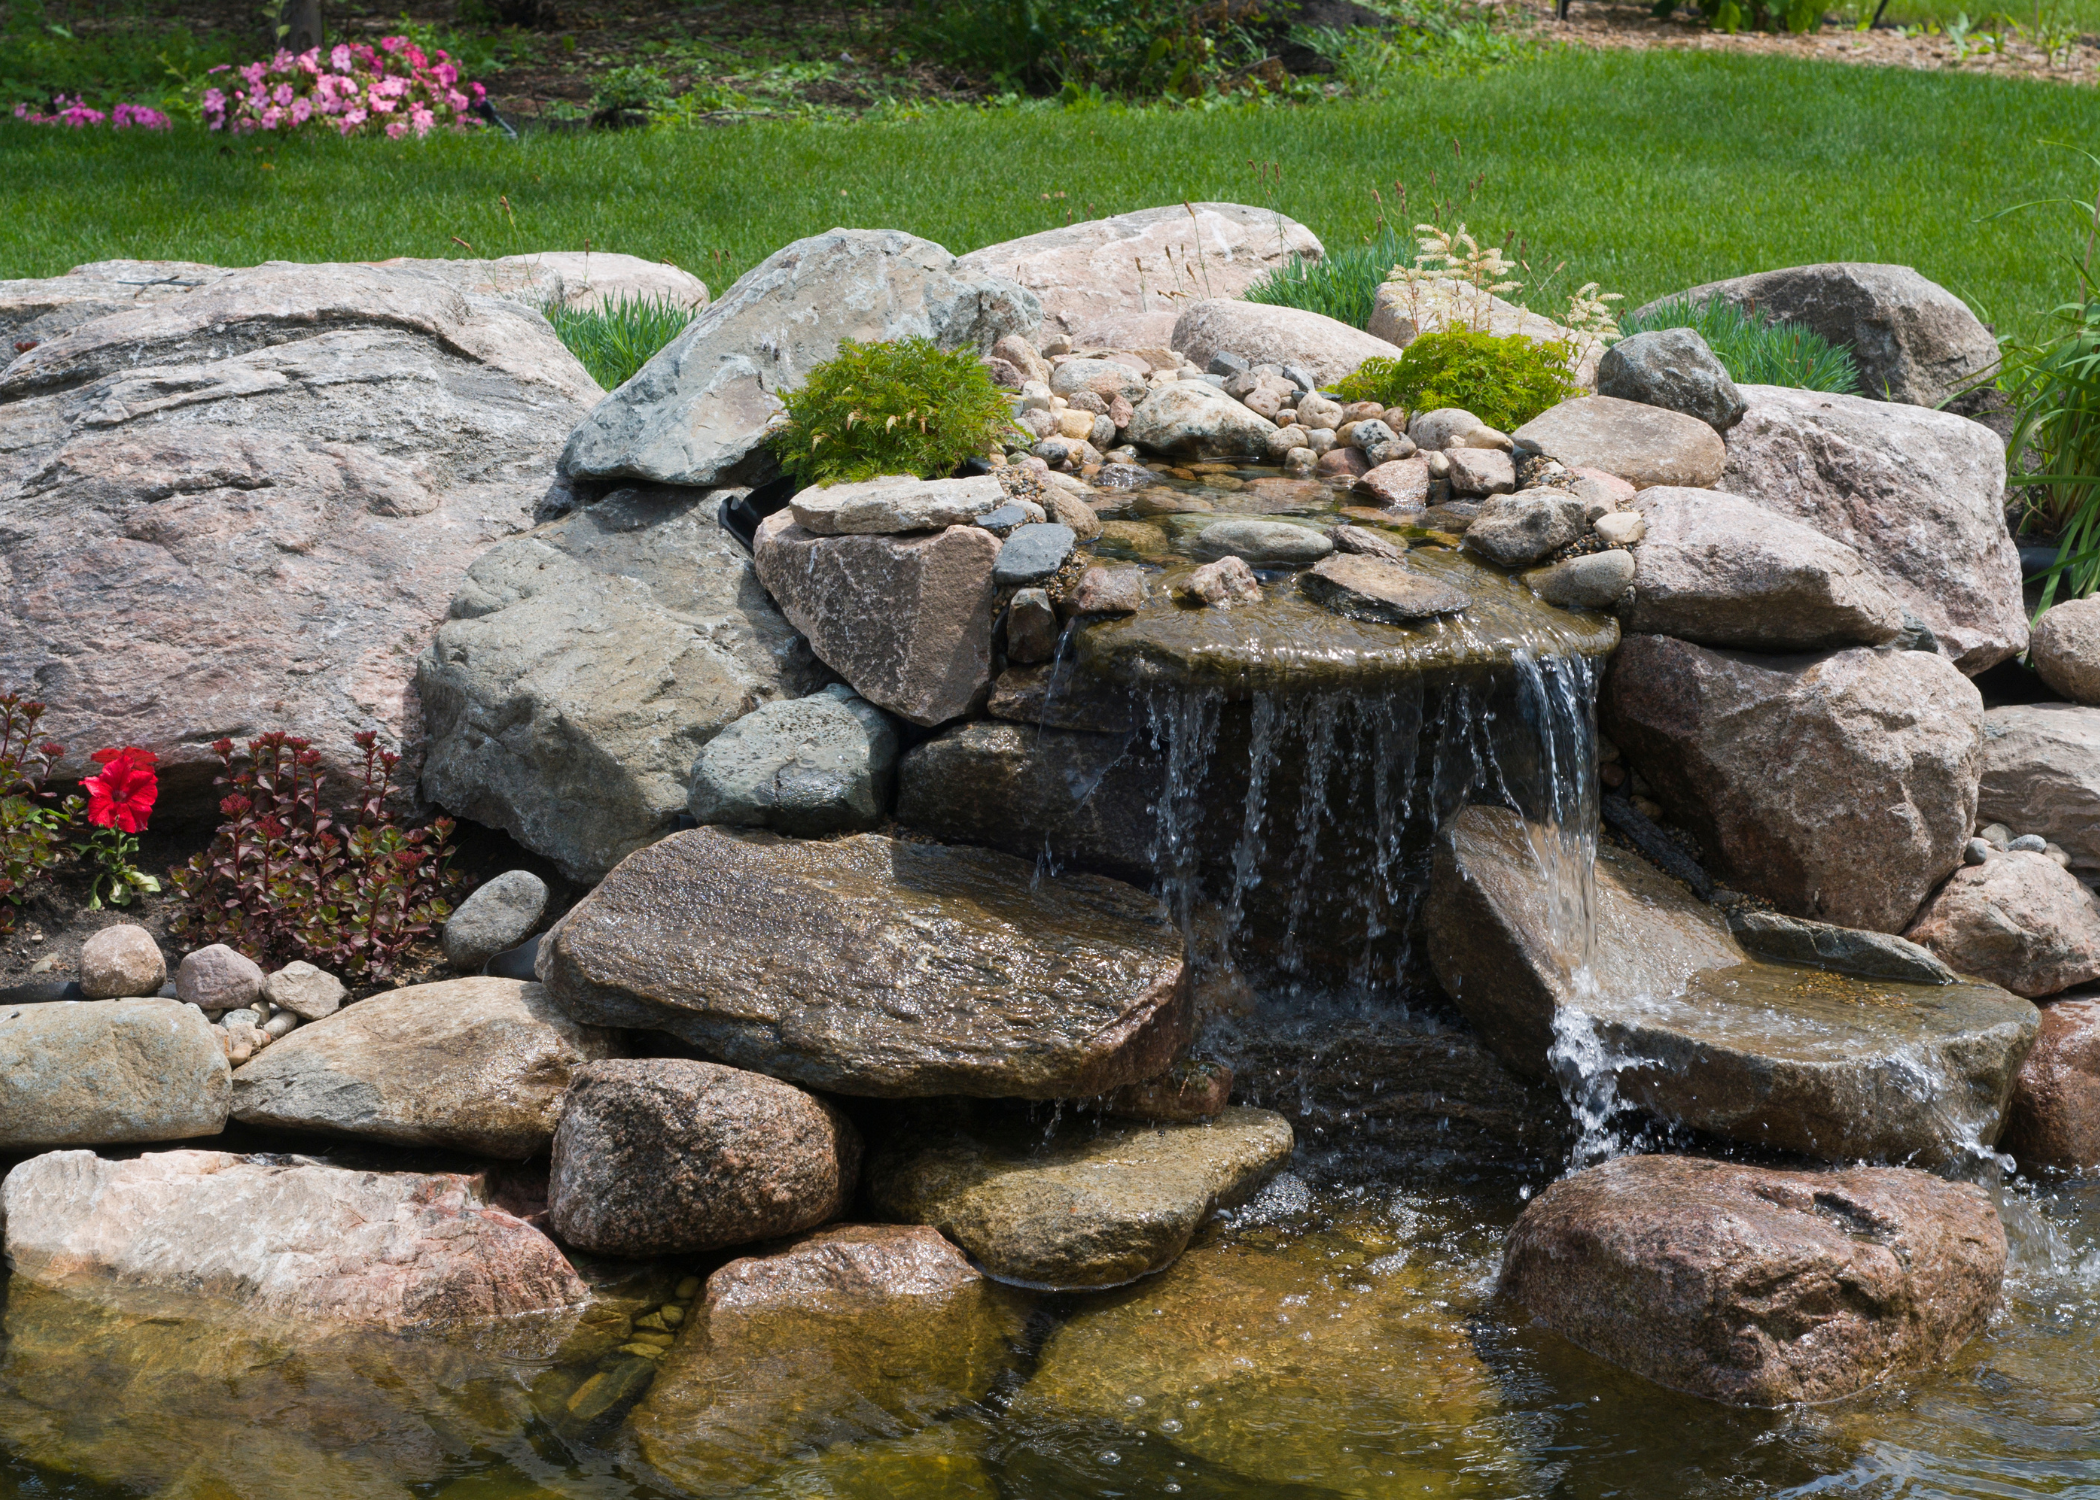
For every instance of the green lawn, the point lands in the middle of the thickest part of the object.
(1646, 172)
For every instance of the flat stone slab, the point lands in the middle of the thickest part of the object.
(1375, 588)
(872, 966)
(1645, 445)
(895, 502)
(108, 1073)
(1093, 1207)
(1688, 1028)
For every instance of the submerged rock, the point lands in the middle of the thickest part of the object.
(874, 966)
(477, 1064)
(2019, 919)
(1377, 588)
(1671, 1017)
(2041, 774)
(2055, 1115)
(1843, 950)
(1092, 1206)
(108, 1072)
(281, 1237)
(1759, 1287)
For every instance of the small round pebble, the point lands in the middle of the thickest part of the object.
(1975, 852)
(120, 962)
(2029, 843)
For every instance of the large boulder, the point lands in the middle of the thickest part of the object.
(667, 1156)
(1644, 445)
(2019, 919)
(2064, 646)
(698, 412)
(286, 472)
(1919, 495)
(108, 1073)
(2041, 774)
(873, 966)
(1911, 339)
(1260, 333)
(1091, 276)
(2055, 1116)
(806, 766)
(907, 620)
(40, 308)
(1192, 419)
(478, 1064)
(1658, 1007)
(1723, 571)
(1754, 1286)
(584, 666)
(1093, 1206)
(1840, 786)
(281, 1237)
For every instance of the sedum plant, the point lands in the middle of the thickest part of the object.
(1504, 381)
(891, 408)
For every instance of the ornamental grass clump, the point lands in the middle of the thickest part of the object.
(1755, 350)
(1503, 381)
(356, 89)
(891, 408)
(283, 880)
(616, 339)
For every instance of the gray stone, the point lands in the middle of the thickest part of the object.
(1842, 950)
(1190, 420)
(1379, 589)
(1262, 543)
(120, 963)
(1220, 584)
(1596, 580)
(1325, 349)
(1380, 444)
(1644, 445)
(305, 991)
(1516, 530)
(2065, 649)
(476, 1065)
(1724, 571)
(1975, 852)
(1094, 1206)
(698, 412)
(1481, 471)
(1444, 427)
(108, 1072)
(2041, 772)
(38, 309)
(1912, 340)
(1674, 369)
(1366, 542)
(906, 620)
(2031, 843)
(895, 502)
(497, 916)
(1919, 495)
(806, 766)
(1031, 627)
(585, 665)
(216, 978)
(1105, 378)
(879, 967)
(1008, 517)
(1032, 554)
(2019, 920)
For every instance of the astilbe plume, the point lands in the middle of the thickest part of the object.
(283, 880)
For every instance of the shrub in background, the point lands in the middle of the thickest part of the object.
(32, 820)
(281, 881)
(617, 339)
(1755, 351)
(891, 408)
(1503, 381)
(392, 89)
(1131, 48)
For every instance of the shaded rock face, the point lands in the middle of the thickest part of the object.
(2041, 774)
(287, 470)
(108, 1072)
(877, 967)
(1919, 495)
(476, 1064)
(2055, 1116)
(1671, 368)
(2065, 649)
(1723, 571)
(1095, 1206)
(1840, 786)
(1666, 1014)
(698, 412)
(585, 665)
(669, 1156)
(499, 915)
(1758, 1287)
(1103, 272)
(1912, 339)
(281, 1237)
(854, 1333)
(2019, 920)
(808, 766)
(907, 620)
(1644, 445)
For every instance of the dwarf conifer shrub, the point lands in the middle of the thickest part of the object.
(1503, 381)
(891, 408)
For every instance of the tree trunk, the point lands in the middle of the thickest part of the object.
(299, 25)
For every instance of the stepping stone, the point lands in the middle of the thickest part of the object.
(1374, 588)
(895, 502)
(872, 966)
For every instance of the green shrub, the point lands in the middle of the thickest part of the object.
(1341, 286)
(891, 408)
(617, 339)
(1503, 381)
(1754, 351)
(1128, 48)
(1437, 40)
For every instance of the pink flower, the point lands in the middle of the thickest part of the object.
(282, 94)
(310, 61)
(397, 130)
(339, 59)
(302, 111)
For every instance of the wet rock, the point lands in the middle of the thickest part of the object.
(2065, 649)
(874, 966)
(1912, 340)
(498, 915)
(906, 620)
(1326, 349)
(281, 1237)
(1880, 754)
(1220, 584)
(2019, 920)
(807, 766)
(1032, 555)
(2055, 1115)
(121, 962)
(1481, 471)
(1364, 542)
(1106, 591)
(475, 1064)
(1843, 950)
(698, 412)
(1676, 1021)
(895, 502)
(665, 1156)
(1515, 530)
(839, 1339)
(1262, 544)
(1878, 476)
(1645, 445)
(216, 978)
(1723, 571)
(1191, 420)
(1672, 368)
(305, 991)
(2041, 773)
(1759, 1287)
(1190, 1091)
(1597, 580)
(584, 666)
(1056, 697)
(1401, 484)
(1094, 1206)
(108, 1072)
(1031, 627)
(1376, 588)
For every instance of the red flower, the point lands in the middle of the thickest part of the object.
(122, 796)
